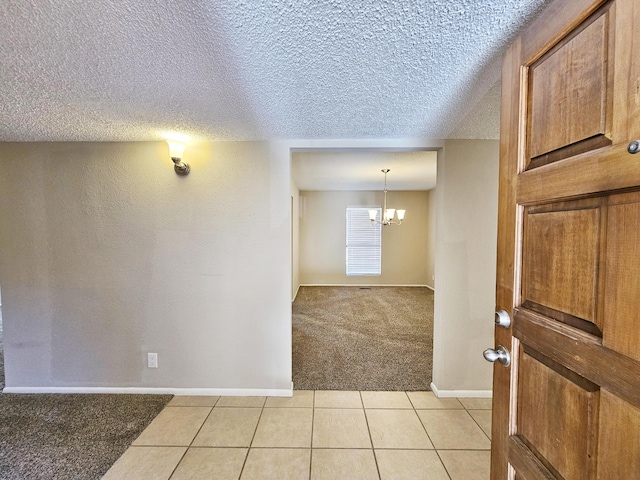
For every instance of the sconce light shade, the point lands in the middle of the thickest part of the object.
(400, 214)
(176, 150)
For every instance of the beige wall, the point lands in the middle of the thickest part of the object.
(431, 240)
(467, 212)
(106, 254)
(295, 240)
(405, 248)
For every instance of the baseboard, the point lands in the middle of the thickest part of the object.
(363, 285)
(295, 294)
(430, 288)
(222, 392)
(461, 393)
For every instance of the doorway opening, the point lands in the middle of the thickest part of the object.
(362, 332)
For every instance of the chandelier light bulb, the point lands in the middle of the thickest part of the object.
(388, 214)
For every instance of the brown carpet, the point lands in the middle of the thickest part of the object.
(68, 437)
(355, 338)
(1, 363)
(1, 354)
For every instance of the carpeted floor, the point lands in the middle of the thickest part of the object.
(1, 364)
(1, 354)
(68, 436)
(354, 338)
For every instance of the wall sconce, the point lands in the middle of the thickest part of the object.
(176, 150)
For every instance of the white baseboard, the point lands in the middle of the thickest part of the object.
(363, 285)
(461, 393)
(295, 294)
(223, 392)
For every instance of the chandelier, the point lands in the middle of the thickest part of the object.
(388, 214)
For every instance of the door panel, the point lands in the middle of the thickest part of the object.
(569, 247)
(623, 283)
(626, 122)
(562, 261)
(581, 353)
(557, 413)
(570, 109)
(619, 439)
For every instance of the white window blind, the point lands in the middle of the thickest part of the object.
(364, 242)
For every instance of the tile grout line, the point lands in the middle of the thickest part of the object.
(253, 437)
(193, 439)
(443, 464)
(424, 427)
(479, 426)
(476, 422)
(312, 446)
(466, 449)
(373, 450)
(313, 419)
(446, 470)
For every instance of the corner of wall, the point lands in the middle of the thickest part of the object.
(466, 229)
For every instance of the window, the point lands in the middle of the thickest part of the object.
(364, 242)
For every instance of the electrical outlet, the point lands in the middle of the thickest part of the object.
(152, 360)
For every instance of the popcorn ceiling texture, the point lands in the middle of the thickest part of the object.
(483, 120)
(108, 70)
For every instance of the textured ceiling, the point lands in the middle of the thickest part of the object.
(113, 70)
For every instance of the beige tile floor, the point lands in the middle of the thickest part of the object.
(314, 435)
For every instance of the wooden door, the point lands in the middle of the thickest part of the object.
(568, 405)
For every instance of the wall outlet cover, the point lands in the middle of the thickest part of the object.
(152, 360)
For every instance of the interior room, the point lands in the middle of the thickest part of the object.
(108, 268)
(356, 327)
(159, 219)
